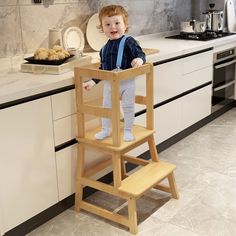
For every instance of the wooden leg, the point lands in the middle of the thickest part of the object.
(116, 165)
(152, 148)
(173, 187)
(79, 174)
(123, 168)
(132, 211)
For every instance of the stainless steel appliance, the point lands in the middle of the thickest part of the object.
(214, 19)
(223, 85)
(192, 26)
(204, 36)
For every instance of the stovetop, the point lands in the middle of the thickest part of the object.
(205, 36)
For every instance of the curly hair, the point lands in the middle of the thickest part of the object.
(113, 10)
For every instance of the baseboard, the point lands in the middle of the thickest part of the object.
(68, 202)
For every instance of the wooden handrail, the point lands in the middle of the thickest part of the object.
(95, 72)
(115, 77)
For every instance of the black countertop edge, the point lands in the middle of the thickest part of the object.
(36, 96)
(182, 56)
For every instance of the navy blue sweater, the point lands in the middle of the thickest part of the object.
(131, 50)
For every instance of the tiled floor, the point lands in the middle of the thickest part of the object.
(206, 180)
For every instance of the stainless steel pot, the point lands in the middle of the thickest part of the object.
(192, 26)
(214, 19)
(186, 27)
(200, 27)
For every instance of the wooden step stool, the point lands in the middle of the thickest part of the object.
(129, 187)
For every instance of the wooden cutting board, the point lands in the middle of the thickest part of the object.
(231, 21)
(149, 51)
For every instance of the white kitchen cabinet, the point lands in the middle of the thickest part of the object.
(28, 182)
(66, 171)
(64, 104)
(167, 80)
(197, 61)
(65, 129)
(66, 167)
(172, 79)
(195, 106)
(178, 76)
(175, 116)
(196, 78)
(167, 120)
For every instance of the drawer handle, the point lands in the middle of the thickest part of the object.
(224, 86)
(225, 64)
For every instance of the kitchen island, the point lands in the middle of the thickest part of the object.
(38, 124)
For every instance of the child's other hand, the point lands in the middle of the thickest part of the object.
(136, 62)
(88, 85)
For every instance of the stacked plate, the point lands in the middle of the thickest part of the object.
(73, 39)
(96, 38)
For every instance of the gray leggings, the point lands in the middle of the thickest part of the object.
(127, 92)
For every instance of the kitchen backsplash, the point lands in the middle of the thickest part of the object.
(24, 25)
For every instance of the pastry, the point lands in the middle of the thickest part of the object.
(55, 53)
(52, 57)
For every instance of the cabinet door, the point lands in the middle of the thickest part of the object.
(167, 79)
(65, 129)
(63, 104)
(197, 62)
(167, 119)
(195, 106)
(196, 78)
(28, 182)
(66, 171)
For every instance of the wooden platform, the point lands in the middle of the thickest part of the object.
(141, 134)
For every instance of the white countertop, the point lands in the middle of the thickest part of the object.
(18, 85)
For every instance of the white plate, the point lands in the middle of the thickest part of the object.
(96, 38)
(73, 37)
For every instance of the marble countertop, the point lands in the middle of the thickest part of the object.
(18, 85)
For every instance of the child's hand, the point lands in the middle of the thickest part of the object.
(136, 62)
(88, 85)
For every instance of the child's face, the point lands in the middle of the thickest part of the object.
(114, 26)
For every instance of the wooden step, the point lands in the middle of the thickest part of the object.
(146, 178)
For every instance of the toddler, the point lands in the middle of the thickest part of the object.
(114, 23)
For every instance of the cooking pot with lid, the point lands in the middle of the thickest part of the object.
(192, 26)
(214, 19)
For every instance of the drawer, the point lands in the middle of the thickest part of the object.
(167, 120)
(63, 104)
(66, 171)
(196, 106)
(196, 78)
(167, 79)
(197, 62)
(65, 129)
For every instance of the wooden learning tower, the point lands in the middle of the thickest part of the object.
(125, 186)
